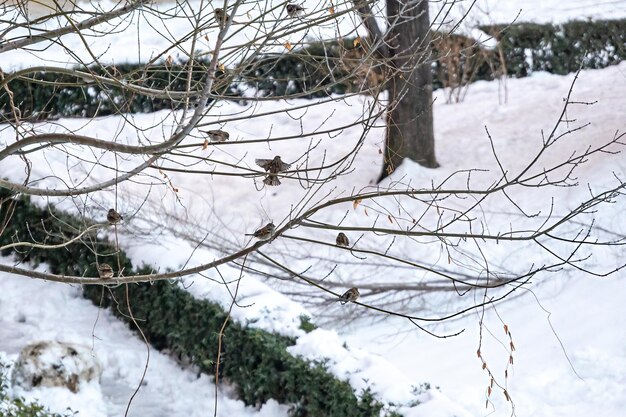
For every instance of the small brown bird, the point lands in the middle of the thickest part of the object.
(114, 217)
(217, 135)
(342, 240)
(221, 16)
(271, 180)
(351, 295)
(105, 271)
(273, 166)
(294, 10)
(264, 233)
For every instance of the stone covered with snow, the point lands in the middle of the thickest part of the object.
(55, 364)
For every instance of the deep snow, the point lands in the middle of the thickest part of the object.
(584, 312)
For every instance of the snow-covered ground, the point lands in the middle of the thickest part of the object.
(121, 44)
(570, 349)
(570, 357)
(583, 311)
(32, 310)
(570, 352)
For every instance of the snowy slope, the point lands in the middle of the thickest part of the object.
(541, 381)
(59, 312)
(570, 352)
(569, 360)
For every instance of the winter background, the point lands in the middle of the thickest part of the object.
(570, 357)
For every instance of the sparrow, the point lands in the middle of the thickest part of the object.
(114, 217)
(221, 16)
(342, 240)
(294, 10)
(271, 180)
(351, 295)
(217, 135)
(273, 166)
(105, 271)
(264, 233)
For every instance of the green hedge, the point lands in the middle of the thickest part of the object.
(560, 49)
(256, 361)
(46, 94)
(316, 70)
(525, 47)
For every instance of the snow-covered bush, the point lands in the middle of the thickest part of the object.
(55, 364)
(18, 407)
(525, 48)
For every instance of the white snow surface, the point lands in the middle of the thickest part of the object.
(569, 360)
(32, 310)
(541, 382)
(570, 349)
(144, 36)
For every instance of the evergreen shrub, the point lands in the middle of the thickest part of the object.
(317, 70)
(254, 360)
(560, 49)
(45, 95)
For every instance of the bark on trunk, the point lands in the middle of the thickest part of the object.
(410, 116)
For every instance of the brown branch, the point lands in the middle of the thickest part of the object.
(364, 10)
(72, 28)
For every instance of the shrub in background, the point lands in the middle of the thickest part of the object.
(323, 68)
(46, 94)
(560, 49)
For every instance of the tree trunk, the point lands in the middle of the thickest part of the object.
(409, 114)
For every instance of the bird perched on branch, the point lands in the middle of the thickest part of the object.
(221, 16)
(294, 10)
(351, 295)
(114, 217)
(273, 166)
(217, 135)
(105, 271)
(264, 233)
(342, 240)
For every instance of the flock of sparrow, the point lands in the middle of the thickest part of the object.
(267, 232)
(105, 270)
(273, 167)
(264, 233)
(293, 10)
